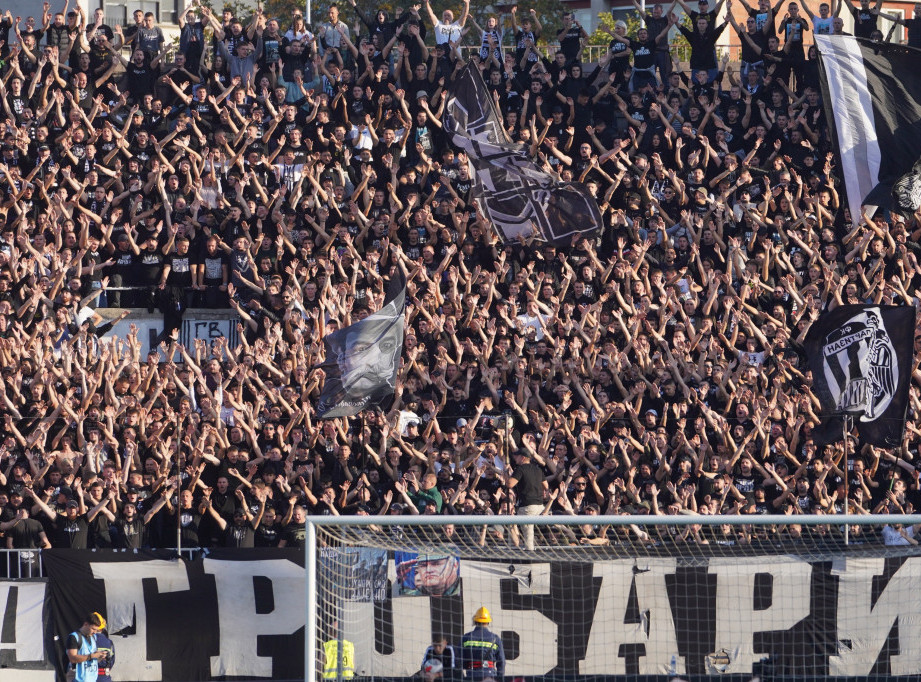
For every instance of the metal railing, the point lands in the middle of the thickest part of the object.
(590, 53)
(25, 564)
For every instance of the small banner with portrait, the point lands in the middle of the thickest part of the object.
(861, 360)
(512, 191)
(362, 359)
(429, 574)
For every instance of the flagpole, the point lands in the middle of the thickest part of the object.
(847, 499)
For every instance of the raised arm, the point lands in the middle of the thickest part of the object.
(428, 9)
(465, 14)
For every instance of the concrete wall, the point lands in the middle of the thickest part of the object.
(197, 323)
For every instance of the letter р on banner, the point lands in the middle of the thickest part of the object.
(176, 620)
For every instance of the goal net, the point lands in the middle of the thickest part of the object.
(619, 596)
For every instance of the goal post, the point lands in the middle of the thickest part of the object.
(801, 596)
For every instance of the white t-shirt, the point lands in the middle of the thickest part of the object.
(892, 537)
(823, 26)
(447, 33)
(529, 321)
(85, 313)
(752, 358)
(406, 418)
(361, 139)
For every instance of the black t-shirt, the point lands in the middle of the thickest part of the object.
(865, 21)
(793, 30)
(130, 534)
(521, 40)
(180, 274)
(124, 265)
(75, 640)
(70, 534)
(189, 521)
(761, 18)
(17, 103)
(26, 534)
(268, 536)
(530, 487)
(571, 42)
(99, 532)
(149, 264)
(214, 267)
(296, 536)
(644, 53)
(655, 26)
(141, 80)
(239, 536)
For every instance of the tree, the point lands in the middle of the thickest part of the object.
(549, 12)
(679, 43)
(606, 21)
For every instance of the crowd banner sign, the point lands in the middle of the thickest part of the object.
(24, 605)
(224, 615)
(235, 615)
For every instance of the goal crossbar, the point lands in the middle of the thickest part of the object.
(623, 520)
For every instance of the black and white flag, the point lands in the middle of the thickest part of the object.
(512, 191)
(362, 359)
(861, 361)
(873, 96)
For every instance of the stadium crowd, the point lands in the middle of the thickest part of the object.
(285, 171)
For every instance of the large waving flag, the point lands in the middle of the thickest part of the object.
(872, 93)
(362, 360)
(512, 191)
(861, 362)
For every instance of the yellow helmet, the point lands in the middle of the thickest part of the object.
(482, 616)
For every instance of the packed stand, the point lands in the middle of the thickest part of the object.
(285, 171)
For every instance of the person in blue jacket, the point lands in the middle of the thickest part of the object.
(83, 653)
(106, 646)
(481, 650)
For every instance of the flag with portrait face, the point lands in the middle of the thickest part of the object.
(362, 360)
